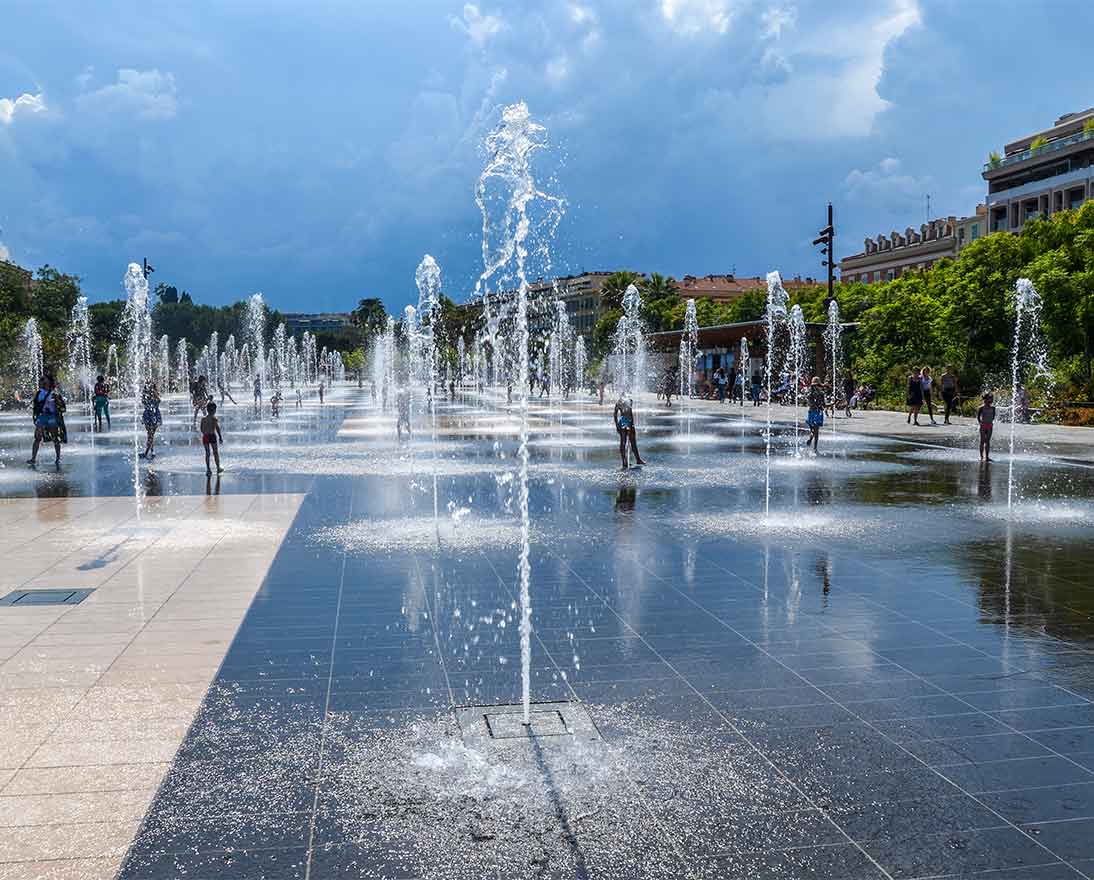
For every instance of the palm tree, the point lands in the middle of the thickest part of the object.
(613, 288)
(658, 286)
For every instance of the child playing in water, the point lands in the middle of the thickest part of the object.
(299, 399)
(211, 438)
(985, 417)
(275, 404)
(402, 402)
(102, 403)
(624, 425)
(815, 419)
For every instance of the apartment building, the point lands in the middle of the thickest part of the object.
(890, 256)
(1042, 173)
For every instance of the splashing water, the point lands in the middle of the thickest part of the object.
(428, 278)
(581, 361)
(32, 359)
(689, 345)
(1028, 362)
(833, 341)
(78, 339)
(182, 364)
(795, 363)
(775, 316)
(629, 350)
(746, 362)
(163, 362)
(505, 194)
(138, 320)
(256, 338)
(561, 336)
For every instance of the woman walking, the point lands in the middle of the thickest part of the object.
(914, 397)
(928, 382)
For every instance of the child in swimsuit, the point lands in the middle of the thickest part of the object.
(815, 418)
(624, 424)
(985, 417)
(211, 438)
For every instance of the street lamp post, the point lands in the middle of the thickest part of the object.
(825, 239)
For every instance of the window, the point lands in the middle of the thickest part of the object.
(974, 231)
(890, 275)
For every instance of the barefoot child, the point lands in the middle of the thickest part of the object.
(211, 438)
(985, 417)
(815, 418)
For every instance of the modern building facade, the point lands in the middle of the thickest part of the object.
(728, 288)
(581, 293)
(1042, 173)
(890, 256)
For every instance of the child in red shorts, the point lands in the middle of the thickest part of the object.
(211, 438)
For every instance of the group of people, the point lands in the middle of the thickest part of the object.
(921, 394)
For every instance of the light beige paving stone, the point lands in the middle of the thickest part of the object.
(96, 698)
(62, 869)
(65, 780)
(73, 840)
(51, 809)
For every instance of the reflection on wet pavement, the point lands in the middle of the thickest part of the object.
(890, 676)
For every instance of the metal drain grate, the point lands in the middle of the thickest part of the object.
(504, 725)
(45, 597)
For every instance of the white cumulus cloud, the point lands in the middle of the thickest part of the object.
(5, 254)
(775, 19)
(25, 103)
(146, 94)
(694, 17)
(886, 185)
(478, 27)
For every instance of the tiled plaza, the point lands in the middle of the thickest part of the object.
(307, 670)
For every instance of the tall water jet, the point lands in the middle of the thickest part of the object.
(310, 357)
(1028, 362)
(689, 346)
(182, 365)
(746, 364)
(78, 339)
(137, 319)
(277, 357)
(163, 363)
(795, 363)
(775, 318)
(32, 360)
(428, 279)
(112, 361)
(581, 362)
(213, 375)
(229, 362)
(629, 348)
(833, 336)
(505, 194)
(559, 344)
(256, 337)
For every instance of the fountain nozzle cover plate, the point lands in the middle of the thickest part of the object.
(504, 724)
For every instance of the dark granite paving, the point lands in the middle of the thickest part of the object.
(888, 678)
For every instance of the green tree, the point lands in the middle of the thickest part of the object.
(613, 288)
(354, 362)
(370, 316)
(167, 293)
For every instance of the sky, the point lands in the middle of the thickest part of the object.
(314, 151)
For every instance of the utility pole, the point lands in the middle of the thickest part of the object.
(825, 240)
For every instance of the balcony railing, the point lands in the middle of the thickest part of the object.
(1050, 147)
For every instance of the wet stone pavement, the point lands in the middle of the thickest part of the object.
(889, 676)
